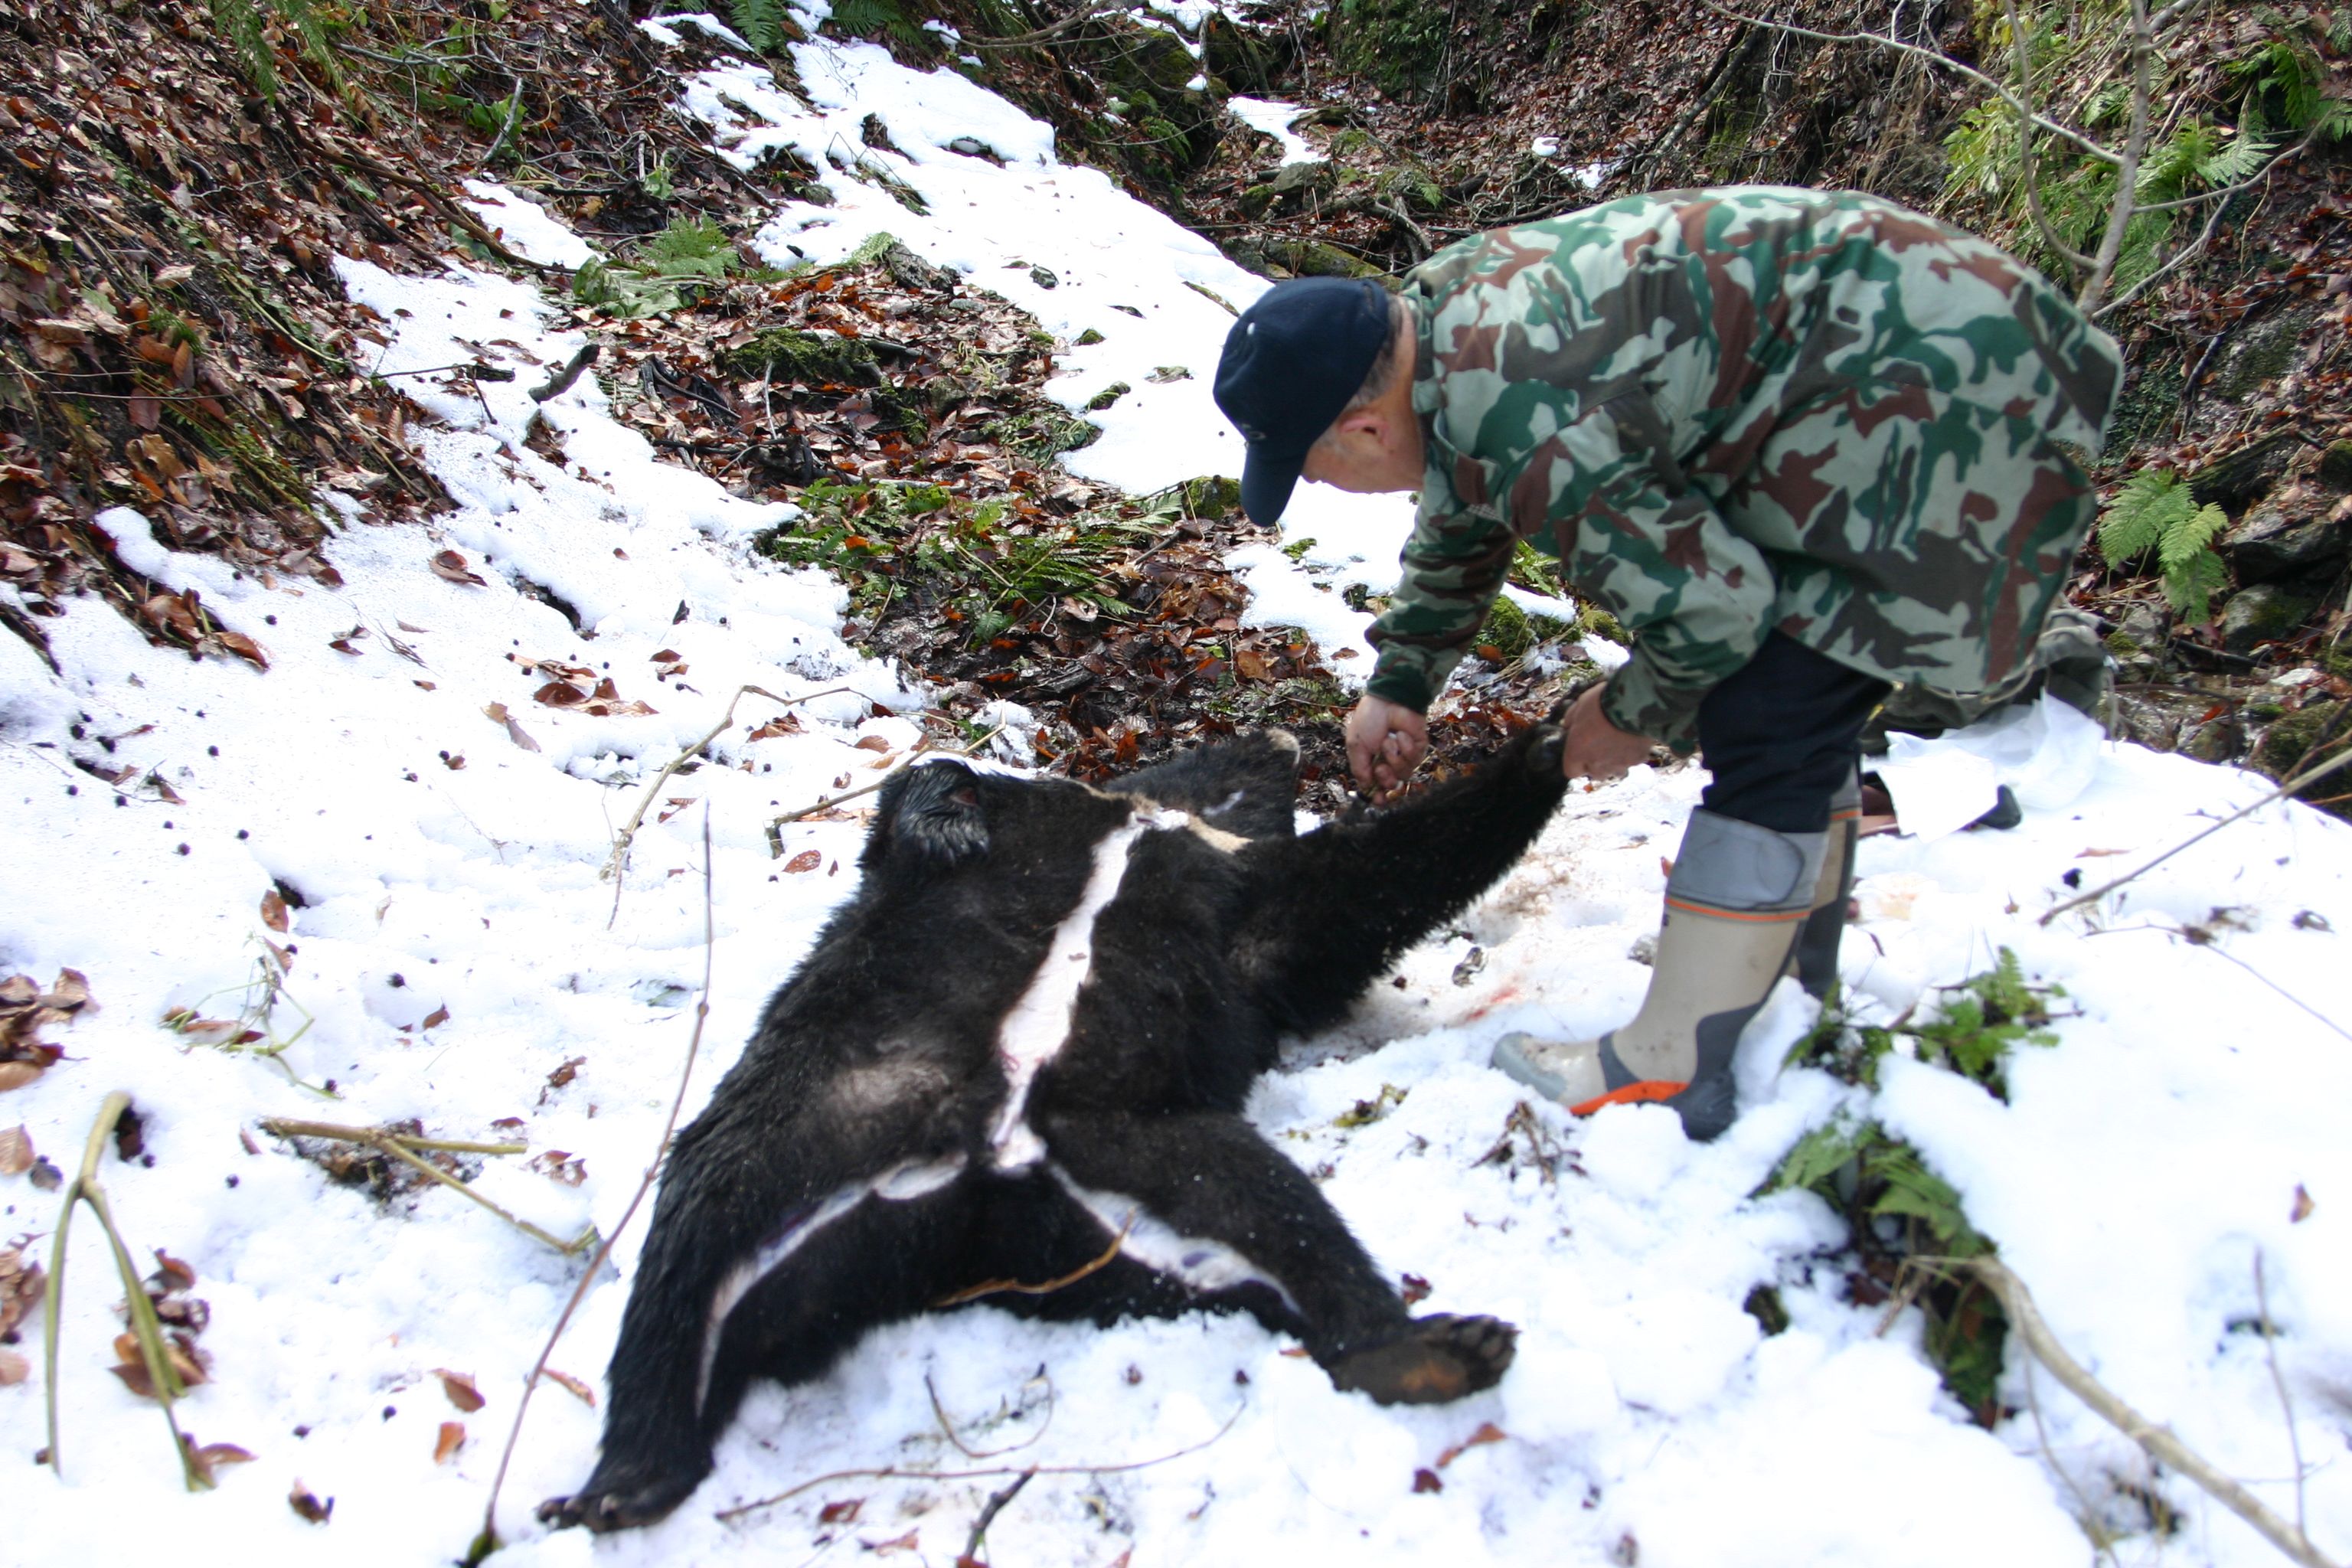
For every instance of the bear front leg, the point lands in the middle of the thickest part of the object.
(655, 1448)
(1332, 909)
(1208, 1177)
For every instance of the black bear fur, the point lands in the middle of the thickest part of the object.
(867, 1159)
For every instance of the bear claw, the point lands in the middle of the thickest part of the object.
(1438, 1358)
(606, 1509)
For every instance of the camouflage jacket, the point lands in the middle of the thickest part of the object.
(1735, 410)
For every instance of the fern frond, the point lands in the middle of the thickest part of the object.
(2190, 535)
(2190, 587)
(2137, 518)
(2241, 159)
(240, 23)
(761, 23)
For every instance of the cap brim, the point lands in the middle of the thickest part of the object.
(1268, 479)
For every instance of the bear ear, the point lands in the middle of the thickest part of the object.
(932, 812)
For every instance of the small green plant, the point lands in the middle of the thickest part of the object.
(2155, 511)
(1982, 1020)
(254, 1031)
(666, 274)
(1909, 1229)
(864, 18)
(2287, 74)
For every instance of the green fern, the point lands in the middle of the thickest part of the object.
(243, 24)
(864, 18)
(688, 247)
(761, 23)
(2155, 511)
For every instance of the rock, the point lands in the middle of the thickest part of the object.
(2287, 742)
(1045, 277)
(909, 270)
(2245, 474)
(2262, 353)
(2264, 613)
(1244, 58)
(2151, 721)
(2216, 741)
(1294, 179)
(2272, 541)
(2335, 466)
(1256, 201)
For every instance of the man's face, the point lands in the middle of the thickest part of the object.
(1371, 451)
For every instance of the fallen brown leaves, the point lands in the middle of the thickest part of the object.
(26, 1009)
(184, 1315)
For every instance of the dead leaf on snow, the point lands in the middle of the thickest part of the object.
(452, 1439)
(452, 567)
(305, 1502)
(14, 1368)
(807, 860)
(17, 1075)
(273, 911)
(906, 1542)
(2303, 1205)
(842, 1512)
(435, 1018)
(206, 1459)
(22, 1286)
(570, 1384)
(16, 1151)
(1488, 1433)
(1427, 1481)
(871, 744)
(459, 1387)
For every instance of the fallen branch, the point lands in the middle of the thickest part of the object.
(488, 1540)
(2158, 1441)
(556, 385)
(2309, 777)
(162, 1376)
(892, 1472)
(393, 1146)
(616, 867)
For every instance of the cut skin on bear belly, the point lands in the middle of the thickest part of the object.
(1033, 1033)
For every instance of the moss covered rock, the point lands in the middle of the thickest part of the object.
(2264, 613)
(824, 359)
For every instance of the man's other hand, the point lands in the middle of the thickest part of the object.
(1595, 748)
(1385, 743)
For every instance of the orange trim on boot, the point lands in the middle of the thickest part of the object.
(1647, 1088)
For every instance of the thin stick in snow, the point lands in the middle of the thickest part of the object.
(2158, 1441)
(2310, 776)
(2278, 1381)
(488, 1540)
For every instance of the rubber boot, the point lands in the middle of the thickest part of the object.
(1736, 901)
(1816, 960)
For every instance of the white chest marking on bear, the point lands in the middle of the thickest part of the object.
(912, 1179)
(1204, 1264)
(1038, 1027)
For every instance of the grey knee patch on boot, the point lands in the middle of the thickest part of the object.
(1729, 865)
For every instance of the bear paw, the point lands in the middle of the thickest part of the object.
(1436, 1359)
(621, 1503)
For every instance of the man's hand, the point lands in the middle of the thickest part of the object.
(1385, 742)
(1595, 748)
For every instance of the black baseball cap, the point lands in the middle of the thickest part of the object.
(1291, 364)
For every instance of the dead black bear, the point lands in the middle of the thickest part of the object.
(1025, 1039)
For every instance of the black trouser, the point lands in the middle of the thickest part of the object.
(1782, 734)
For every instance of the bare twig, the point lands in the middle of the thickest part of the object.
(1934, 56)
(2218, 951)
(1014, 1287)
(2161, 1446)
(988, 1515)
(488, 1541)
(2278, 1381)
(162, 1376)
(968, 1452)
(394, 1147)
(280, 1127)
(2309, 777)
(892, 1472)
(2050, 236)
(617, 867)
(2119, 217)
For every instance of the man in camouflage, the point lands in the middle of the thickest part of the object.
(1807, 447)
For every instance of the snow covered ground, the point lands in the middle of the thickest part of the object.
(460, 961)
